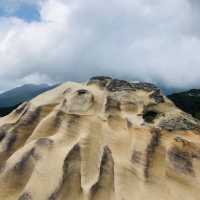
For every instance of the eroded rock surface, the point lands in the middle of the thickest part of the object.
(106, 139)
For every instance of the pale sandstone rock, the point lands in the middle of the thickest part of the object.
(106, 139)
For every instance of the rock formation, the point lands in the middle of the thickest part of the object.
(106, 139)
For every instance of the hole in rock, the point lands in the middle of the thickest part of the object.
(150, 116)
(80, 92)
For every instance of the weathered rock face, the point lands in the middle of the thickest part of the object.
(106, 139)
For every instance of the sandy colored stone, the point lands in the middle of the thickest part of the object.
(106, 139)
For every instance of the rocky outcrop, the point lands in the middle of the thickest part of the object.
(105, 139)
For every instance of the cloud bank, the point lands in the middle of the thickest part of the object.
(149, 40)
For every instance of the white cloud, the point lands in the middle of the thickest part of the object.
(150, 40)
(35, 78)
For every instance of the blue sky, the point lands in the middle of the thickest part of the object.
(27, 12)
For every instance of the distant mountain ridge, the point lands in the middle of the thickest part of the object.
(11, 99)
(6, 110)
(188, 101)
(23, 93)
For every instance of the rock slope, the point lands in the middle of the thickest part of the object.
(106, 139)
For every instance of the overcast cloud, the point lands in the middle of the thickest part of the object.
(149, 40)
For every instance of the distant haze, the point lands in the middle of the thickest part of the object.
(50, 41)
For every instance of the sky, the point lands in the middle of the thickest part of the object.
(51, 41)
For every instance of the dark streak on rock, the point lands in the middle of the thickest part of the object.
(20, 166)
(25, 196)
(73, 120)
(11, 141)
(58, 119)
(54, 196)
(74, 154)
(22, 108)
(112, 105)
(129, 124)
(31, 116)
(137, 157)
(106, 169)
(181, 160)
(151, 148)
(2, 135)
(64, 102)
